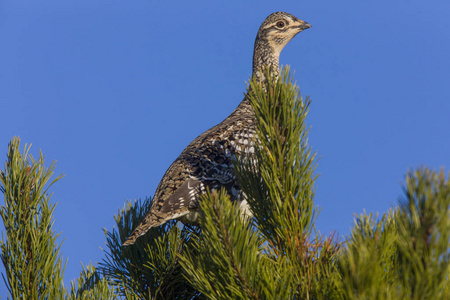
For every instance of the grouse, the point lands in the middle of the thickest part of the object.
(207, 160)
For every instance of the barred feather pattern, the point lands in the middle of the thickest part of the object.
(207, 161)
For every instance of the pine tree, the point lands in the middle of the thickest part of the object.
(30, 253)
(404, 255)
(276, 254)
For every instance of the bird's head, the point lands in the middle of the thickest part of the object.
(279, 28)
(275, 32)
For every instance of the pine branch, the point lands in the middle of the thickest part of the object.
(424, 232)
(279, 183)
(90, 285)
(368, 266)
(30, 254)
(279, 180)
(227, 261)
(406, 254)
(149, 268)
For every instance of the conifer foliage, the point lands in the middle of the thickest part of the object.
(30, 253)
(148, 269)
(405, 254)
(276, 254)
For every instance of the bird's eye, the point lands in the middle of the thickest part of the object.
(280, 24)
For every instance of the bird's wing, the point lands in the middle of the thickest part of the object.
(185, 196)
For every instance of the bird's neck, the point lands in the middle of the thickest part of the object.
(265, 56)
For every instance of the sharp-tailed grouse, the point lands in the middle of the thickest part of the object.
(207, 160)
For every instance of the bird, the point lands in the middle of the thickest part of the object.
(207, 162)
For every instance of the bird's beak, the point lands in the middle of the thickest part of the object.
(303, 25)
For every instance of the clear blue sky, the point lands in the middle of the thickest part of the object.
(114, 90)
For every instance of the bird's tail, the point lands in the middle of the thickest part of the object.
(148, 222)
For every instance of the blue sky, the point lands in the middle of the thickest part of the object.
(114, 91)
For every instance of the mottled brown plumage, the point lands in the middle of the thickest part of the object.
(207, 160)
